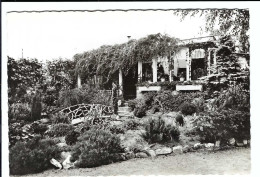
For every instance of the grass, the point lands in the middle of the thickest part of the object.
(228, 162)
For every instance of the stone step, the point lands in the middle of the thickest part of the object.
(125, 108)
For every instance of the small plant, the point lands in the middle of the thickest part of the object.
(33, 156)
(60, 117)
(95, 148)
(140, 111)
(132, 124)
(72, 137)
(39, 128)
(19, 112)
(115, 129)
(59, 130)
(158, 131)
(188, 108)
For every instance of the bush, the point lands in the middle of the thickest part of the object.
(70, 97)
(188, 108)
(39, 128)
(72, 137)
(117, 129)
(59, 130)
(19, 112)
(223, 125)
(33, 156)
(158, 132)
(60, 117)
(169, 102)
(132, 104)
(95, 148)
(140, 111)
(132, 124)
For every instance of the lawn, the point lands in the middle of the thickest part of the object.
(228, 162)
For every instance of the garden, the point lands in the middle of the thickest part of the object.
(166, 122)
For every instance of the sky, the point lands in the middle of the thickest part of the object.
(50, 35)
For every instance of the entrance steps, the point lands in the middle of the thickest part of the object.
(124, 111)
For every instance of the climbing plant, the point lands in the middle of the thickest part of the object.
(106, 60)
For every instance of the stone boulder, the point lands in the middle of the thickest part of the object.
(67, 163)
(232, 141)
(198, 146)
(129, 155)
(209, 146)
(177, 150)
(163, 151)
(141, 155)
(56, 163)
(186, 149)
(151, 153)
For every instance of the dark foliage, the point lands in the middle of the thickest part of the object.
(59, 130)
(72, 137)
(188, 108)
(33, 156)
(158, 132)
(95, 148)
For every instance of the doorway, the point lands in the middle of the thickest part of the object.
(129, 84)
(197, 68)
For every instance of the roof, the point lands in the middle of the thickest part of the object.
(197, 40)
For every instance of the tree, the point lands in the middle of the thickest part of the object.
(234, 22)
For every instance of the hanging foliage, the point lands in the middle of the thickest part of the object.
(106, 60)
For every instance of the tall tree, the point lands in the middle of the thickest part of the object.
(234, 22)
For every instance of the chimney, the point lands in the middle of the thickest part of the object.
(129, 37)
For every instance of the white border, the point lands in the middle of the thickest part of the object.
(254, 42)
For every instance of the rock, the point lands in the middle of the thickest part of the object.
(56, 163)
(186, 148)
(67, 163)
(129, 155)
(232, 141)
(60, 145)
(209, 145)
(217, 144)
(239, 144)
(65, 155)
(45, 121)
(245, 142)
(120, 156)
(141, 155)
(151, 153)
(177, 150)
(163, 151)
(198, 146)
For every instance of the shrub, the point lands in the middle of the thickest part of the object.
(188, 108)
(131, 124)
(39, 128)
(19, 112)
(72, 137)
(157, 131)
(95, 148)
(223, 125)
(59, 130)
(168, 102)
(32, 156)
(69, 97)
(59, 117)
(132, 104)
(117, 129)
(140, 111)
